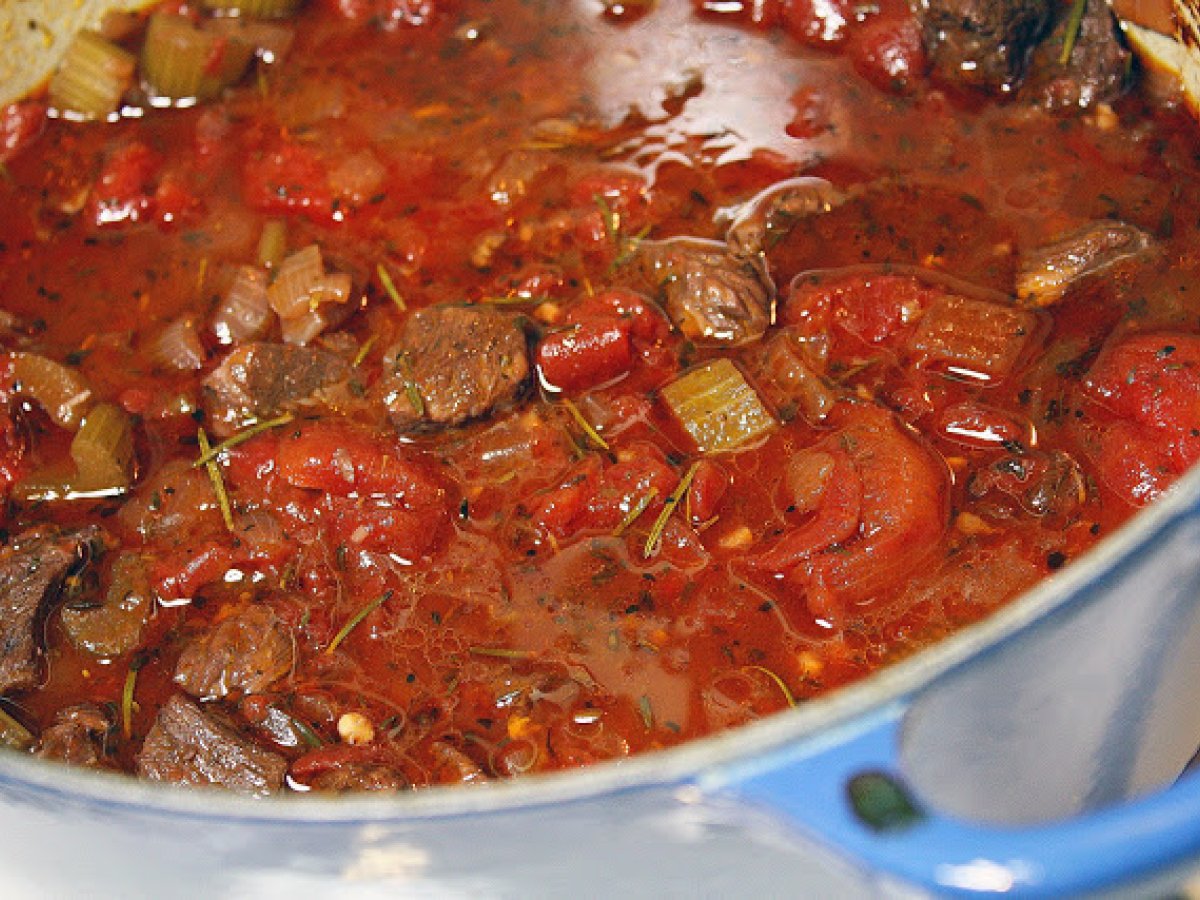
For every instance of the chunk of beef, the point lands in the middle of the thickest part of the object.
(982, 43)
(190, 746)
(711, 295)
(261, 380)
(769, 215)
(1096, 71)
(32, 571)
(248, 652)
(360, 777)
(77, 736)
(453, 363)
(1047, 273)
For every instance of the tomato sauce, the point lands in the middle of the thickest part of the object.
(572, 575)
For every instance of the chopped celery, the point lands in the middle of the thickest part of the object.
(13, 734)
(718, 408)
(103, 450)
(183, 62)
(259, 9)
(93, 76)
(272, 243)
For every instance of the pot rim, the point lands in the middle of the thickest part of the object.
(697, 761)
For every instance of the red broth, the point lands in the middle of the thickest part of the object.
(446, 560)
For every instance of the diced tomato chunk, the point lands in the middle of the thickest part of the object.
(124, 191)
(20, 125)
(588, 354)
(707, 489)
(1151, 383)
(183, 573)
(818, 23)
(341, 459)
(646, 323)
(288, 178)
(890, 54)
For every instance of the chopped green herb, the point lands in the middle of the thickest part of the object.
(214, 475)
(1074, 24)
(389, 286)
(410, 386)
(593, 435)
(212, 453)
(128, 704)
(501, 652)
(647, 711)
(654, 539)
(306, 733)
(779, 682)
(516, 300)
(364, 350)
(358, 617)
(636, 511)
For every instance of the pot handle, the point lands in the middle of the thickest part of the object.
(849, 795)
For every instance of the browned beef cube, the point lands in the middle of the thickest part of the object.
(190, 746)
(262, 380)
(1097, 70)
(32, 571)
(982, 43)
(453, 363)
(245, 653)
(711, 295)
(77, 736)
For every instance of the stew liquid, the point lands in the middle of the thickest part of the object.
(594, 377)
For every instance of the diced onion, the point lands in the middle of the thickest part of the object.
(182, 62)
(291, 292)
(244, 313)
(332, 289)
(93, 76)
(62, 392)
(718, 408)
(179, 347)
(303, 328)
(103, 450)
(260, 9)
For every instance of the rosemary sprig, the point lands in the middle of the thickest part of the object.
(214, 475)
(356, 619)
(647, 711)
(127, 701)
(636, 511)
(582, 422)
(364, 350)
(241, 437)
(779, 682)
(1074, 24)
(501, 652)
(404, 365)
(654, 539)
(389, 286)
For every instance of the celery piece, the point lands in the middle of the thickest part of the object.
(13, 734)
(91, 79)
(103, 450)
(719, 409)
(258, 9)
(272, 243)
(183, 62)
